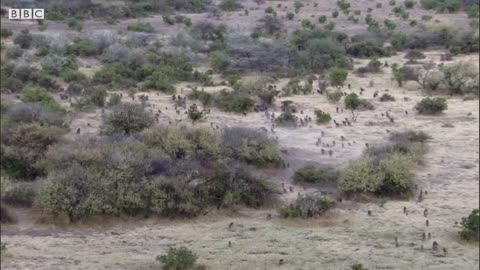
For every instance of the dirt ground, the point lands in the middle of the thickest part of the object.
(344, 237)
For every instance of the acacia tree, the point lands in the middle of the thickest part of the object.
(460, 78)
(127, 118)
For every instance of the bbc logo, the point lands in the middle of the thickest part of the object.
(26, 14)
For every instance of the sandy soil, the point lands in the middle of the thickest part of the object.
(348, 235)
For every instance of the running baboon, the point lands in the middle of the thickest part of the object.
(230, 225)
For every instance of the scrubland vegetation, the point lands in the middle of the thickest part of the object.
(135, 109)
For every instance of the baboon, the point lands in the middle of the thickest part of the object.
(423, 236)
(383, 115)
(322, 133)
(342, 138)
(420, 197)
(269, 216)
(354, 142)
(349, 86)
(280, 262)
(369, 212)
(291, 189)
(421, 247)
(404, 209)
(366, 145)
(103, 110)
(435, 245)
(284, 190)
(343, 145)
(333, 143)
(78, 130)
(375, 94)
(396, 241)
(337, 109)
(425, 212)
(230, 225)
(317, 143)
(177, 111)
(341, 110)
(330, 152)
(301, 111)
(229, 244)
(429, 236)
(323, 151)
(388, 131)
(344, 123)
(406, 112)
(392, 120)
(166, 108)
(445, 251)
(385, 64)
(88, 125)
(427, 223)
(426, 192)
(349, 144)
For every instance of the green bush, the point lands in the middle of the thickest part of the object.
(337, 76)
(23, 39)
(389, 24)
(409, 3)
(69, 75)
(367, 49)
(359, 266)
(460, 78)
(75, 24)
(290, 16)
(98, 95)
(322, 19)
(115, 99)
(19, 194)
(335, 14)
(230, 5)
(141, 27)
(442, 5)
(194, 114)
(178, 259)
(41, 96)
(334, 96)
(205, 98)
(82, 47)
(234, 101)
(330, 26)
(270, 10)
(127, 118)
(361, 175)
(251, 146)
(14, 52)
(387, 97)
(55, 15)
(307, 206)
(431, 105)
(311, 174)
(471, 226)
(353, 102)
(343, 4)
(23, 145)
(322, 117)
(5, 33)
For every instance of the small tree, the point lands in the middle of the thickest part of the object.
(127, 118)
(194, 114)
(337, 76)
(334, 96)
(322, 117)
(178, 259)
(414, 55)
(431, 105)
(471, 226)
